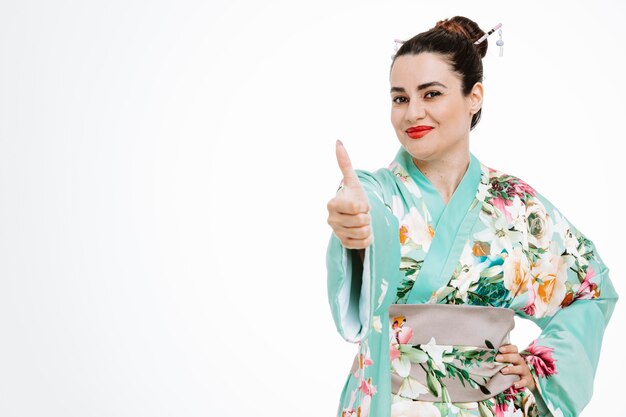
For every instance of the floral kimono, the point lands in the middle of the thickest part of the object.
(496, 243)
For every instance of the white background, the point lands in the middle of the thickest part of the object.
(165, 168)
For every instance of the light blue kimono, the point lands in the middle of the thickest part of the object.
(497, 242)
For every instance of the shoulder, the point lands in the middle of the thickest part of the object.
(545, 225)
(505, 189)
(509, 186)
(524, 208)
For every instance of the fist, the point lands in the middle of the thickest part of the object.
(348, 211)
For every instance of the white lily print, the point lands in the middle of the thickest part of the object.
(469, 274)
(416, 229)
(563, 229)
(412, 388)
(498, 234)
(436, 352)
(518, 214)
(402, 366)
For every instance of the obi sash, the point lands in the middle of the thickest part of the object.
(446, 352)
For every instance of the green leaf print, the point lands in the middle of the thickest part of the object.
(434, 386)
(484, 409)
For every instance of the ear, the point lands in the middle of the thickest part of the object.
(475, 98)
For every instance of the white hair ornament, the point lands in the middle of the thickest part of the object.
(499, 42)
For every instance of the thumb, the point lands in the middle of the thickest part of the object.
(350, 178)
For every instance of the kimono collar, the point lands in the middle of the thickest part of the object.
(462, 196)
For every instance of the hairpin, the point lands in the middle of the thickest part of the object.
(395, 50)
(499, 42)
(488, 33)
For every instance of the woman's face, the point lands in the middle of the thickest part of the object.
(426, 92)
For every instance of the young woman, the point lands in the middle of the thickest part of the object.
(431, 257)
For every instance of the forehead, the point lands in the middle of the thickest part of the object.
(411, 70)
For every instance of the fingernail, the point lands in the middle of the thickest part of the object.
(340, 142)
(499, 358)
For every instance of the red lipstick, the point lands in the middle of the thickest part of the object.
(417, 132)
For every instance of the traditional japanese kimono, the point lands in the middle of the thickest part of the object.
(497, 244)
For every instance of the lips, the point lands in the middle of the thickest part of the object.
(418, 129)
(418, 132)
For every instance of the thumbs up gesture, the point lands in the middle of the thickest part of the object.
(348, 211)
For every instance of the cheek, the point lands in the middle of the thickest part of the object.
(396, 117)
(443, 110)
(448, 114)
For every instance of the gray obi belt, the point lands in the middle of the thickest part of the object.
(446, 352)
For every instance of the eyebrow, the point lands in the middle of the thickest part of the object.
(419, 87)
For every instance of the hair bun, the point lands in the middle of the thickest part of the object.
(467, 28)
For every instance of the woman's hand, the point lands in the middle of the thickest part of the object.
(348, 211)
(508, 353)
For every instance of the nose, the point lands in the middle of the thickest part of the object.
(415, 111)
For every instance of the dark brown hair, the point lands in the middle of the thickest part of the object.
(454, 39)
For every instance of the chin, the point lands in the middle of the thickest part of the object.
(417, 149)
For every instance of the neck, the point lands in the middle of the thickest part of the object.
(446, 173)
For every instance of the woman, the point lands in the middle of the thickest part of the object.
(437, 238)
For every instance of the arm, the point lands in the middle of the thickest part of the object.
(357, 280)
(571, 298)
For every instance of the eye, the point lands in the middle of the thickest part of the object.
(396, 98)
(437, 93)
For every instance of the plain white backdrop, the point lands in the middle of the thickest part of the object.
(165, 168)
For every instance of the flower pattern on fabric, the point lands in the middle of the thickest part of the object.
(493, 269)
(361, 395)
(520, 253)
(540, 359)
(442, 363)
(510, 256)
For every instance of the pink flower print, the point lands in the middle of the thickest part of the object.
(540, 357)
(512, 391)
(511, 395)
(529, 309)
(587, 288)
(512, 187)
(394, 353)
(368, 389)
(520, 188)
(505, 406)
(401, 334)
(404, 335)
(501, 204)
(501, 408)
(363, 409)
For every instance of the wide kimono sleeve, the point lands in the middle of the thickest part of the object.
(571, 298)
(357, 289)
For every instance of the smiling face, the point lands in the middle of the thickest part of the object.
(426, 92)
